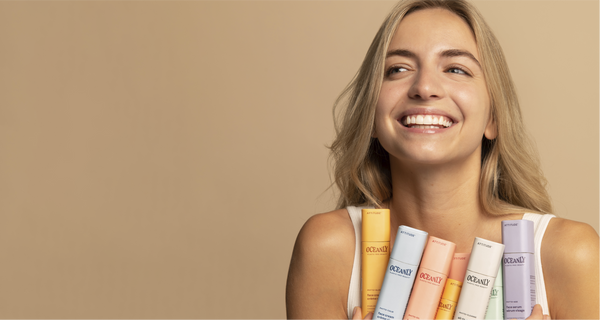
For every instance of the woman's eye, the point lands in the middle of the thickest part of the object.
(393, 70)
(457, 71)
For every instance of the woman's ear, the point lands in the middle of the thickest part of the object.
(491, 130)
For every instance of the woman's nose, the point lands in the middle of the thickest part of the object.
(426, 86)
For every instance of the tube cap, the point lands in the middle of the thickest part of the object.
(438, 255)
(458, 268)
(485, 257)
(517, 236)
(409, 245)
(375, 225)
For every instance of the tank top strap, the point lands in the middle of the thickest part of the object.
(355, 214)
(540, 223)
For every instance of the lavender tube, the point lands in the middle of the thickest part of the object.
(519, 268)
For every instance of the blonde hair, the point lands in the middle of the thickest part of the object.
(511, 179)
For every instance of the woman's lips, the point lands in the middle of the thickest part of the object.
(426, 121)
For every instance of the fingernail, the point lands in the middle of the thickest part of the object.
(354, 312)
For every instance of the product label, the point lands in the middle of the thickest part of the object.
(494, 293)
(450, 296)
(474, 296)
(445, 306)
(397, 270)
(435, 280)
(483, 244)
(514, 261)
(373, 249)
(407, 233)
(426, 295)
(375, 256)
(519, 283)
(495, 309)
(482, 282)
(395, 291)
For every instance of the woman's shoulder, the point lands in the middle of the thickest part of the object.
(326, 235)
(569, 256)
(576, 239)
(321, 267)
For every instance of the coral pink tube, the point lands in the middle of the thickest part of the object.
(431, 279)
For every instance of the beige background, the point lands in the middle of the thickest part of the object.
(158, 158)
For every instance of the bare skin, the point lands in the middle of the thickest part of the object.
(435, 179)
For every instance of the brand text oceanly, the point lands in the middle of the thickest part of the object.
(474, 279)
(377, 249)
(445, 306)
(428, 277)
(509, 260)
(406, 272)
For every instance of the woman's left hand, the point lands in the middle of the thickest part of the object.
(536, 314)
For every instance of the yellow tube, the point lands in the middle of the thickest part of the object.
(453, 286)
(375, 255)
(449, 300)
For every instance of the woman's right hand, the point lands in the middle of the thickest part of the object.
(357, 315)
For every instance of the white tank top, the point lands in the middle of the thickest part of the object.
(540, 222)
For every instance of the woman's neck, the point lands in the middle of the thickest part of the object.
(442, 200)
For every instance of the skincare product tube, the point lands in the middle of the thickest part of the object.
(458, 268)
(431, 278)
(519, 272)
(375, 255)
(400, 274)
(495, 310)
(481, 273)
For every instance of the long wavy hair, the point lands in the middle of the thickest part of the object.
(511, 179)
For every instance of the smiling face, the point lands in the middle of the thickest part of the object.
(433, 106)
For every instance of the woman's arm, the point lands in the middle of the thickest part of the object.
(570, 264)
(321, 266)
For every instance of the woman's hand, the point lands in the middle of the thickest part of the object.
(536, 314)
(357, 315)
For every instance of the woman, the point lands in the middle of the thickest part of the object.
(432, 131)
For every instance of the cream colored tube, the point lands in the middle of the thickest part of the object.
(375, 255)
(479, 279)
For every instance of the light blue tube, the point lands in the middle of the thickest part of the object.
(400, 275)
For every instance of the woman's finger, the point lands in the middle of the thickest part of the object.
(357, 314)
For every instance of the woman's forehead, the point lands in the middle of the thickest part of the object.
(433, 29)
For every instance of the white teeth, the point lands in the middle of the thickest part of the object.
(426, 127)
(427, 121)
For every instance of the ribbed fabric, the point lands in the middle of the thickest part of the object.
(354, 289)
(540, 223)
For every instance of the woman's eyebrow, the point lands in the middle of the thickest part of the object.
(402, 53)
(459, 53)
(445, 53)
